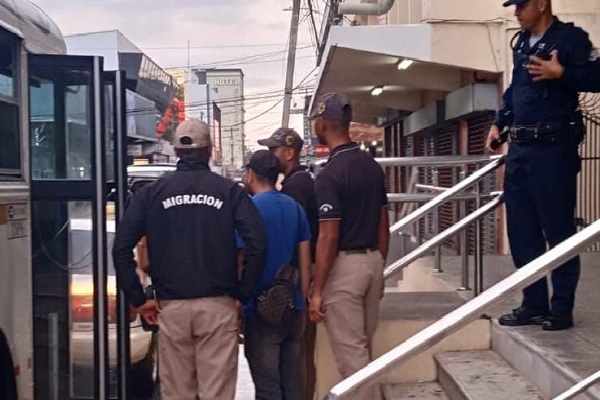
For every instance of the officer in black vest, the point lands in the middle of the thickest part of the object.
(551, 61)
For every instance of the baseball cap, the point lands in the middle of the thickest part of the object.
(265, 164)
(333, 107)
(514, 3)
(283, 137)
(192, 134)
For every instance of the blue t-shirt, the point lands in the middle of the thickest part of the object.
(286, 226)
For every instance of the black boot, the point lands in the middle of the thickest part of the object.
(522, 316)
(558, 322)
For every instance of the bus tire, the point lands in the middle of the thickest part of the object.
(8, 381)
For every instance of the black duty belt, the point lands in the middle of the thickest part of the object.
(359, 251)
(546, 132)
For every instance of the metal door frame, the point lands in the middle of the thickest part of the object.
(93, 190)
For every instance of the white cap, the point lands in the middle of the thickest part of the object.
(193, 134)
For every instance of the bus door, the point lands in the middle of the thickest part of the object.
(74, 292)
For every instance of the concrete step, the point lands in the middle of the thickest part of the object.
(417, 391)
(401, 315)
(553, 361)
(479, 375)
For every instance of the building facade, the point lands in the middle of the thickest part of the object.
(150, 91)
(226, 90)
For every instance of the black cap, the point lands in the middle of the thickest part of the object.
(265, 164)
(333, 107)
(514, 3)
(283, 137)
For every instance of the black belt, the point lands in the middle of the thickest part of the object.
(546, 132)
(359, 251)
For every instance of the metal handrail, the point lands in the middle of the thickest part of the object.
(429, 245)
(579, 387)
(426, 197)
(468, 312)
(434, 161)
(440, 199)
(431, 188)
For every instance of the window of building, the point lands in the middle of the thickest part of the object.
(10, 135)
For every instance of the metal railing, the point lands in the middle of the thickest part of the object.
(437, 201)
(424, 248)
(579, 387)
(468, 312)
(434, 201)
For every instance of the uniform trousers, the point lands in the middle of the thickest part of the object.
(198, 349)
(351, 299)
(540, 192)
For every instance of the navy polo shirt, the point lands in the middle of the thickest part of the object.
(351, 188)
(286, 227)
(300, 186)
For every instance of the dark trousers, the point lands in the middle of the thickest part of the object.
(274, 358)
(540, 189)
(309, 372)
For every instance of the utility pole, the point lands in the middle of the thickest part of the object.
(231, 143)
(291, 64)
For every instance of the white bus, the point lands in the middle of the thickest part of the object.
(24, 30)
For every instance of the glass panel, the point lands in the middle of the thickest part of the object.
(7, 64)
(43, 138)
(63, 306)
(79, 133)
(109, 126)
(10, 135)
(61, 125)
(10, 150)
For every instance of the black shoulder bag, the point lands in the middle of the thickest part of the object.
(275, 304)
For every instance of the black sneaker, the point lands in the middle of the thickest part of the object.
(522, 316)
(557, 323)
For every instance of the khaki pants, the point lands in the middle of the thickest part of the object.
(351, 303)
(198, 349)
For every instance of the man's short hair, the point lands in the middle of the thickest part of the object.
(265, 165)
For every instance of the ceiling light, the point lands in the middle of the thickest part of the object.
(377, 90)
(405, 64)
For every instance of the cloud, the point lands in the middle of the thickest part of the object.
(163, 28)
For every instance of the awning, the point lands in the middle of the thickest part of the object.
(360, 58)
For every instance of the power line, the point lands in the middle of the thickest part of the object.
(218, 46)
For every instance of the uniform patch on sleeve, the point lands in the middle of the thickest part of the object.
(594, 55)
(325, 208)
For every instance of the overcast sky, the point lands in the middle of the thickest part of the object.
(244, 28)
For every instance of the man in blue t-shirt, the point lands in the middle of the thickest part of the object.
(274, 354)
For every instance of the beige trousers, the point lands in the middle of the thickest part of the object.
(198, 349)
(351, 303)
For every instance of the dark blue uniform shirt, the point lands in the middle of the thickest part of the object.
(527, 102)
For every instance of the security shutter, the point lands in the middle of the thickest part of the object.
(588, 209)
(393, 174)
(446, 145)
(478, 130)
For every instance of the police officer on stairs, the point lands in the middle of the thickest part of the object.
(190, 217)
(551, 60)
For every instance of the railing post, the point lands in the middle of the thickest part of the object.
(478, 248)
(464, 242)
(436, 225)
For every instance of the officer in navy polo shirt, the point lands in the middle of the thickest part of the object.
(298, 183)
(353, 240)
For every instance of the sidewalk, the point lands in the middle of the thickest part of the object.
(245, 387)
